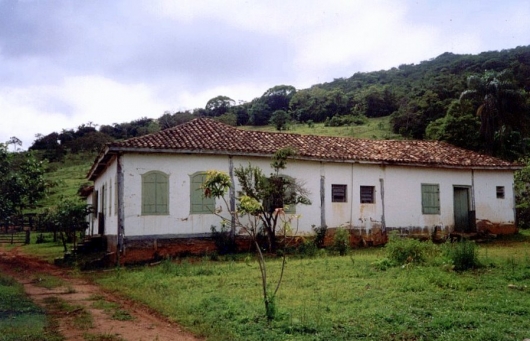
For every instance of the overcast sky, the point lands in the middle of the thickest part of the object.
(64, 63)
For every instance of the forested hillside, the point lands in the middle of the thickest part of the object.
(479, 102)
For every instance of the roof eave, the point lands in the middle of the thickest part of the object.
(100, 162)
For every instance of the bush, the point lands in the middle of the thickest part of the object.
(347, 120)
(402, 250)
(320, 235)
(307, 248)
(341, 241)
(463, 255)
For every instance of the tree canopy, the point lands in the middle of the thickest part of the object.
(22, 182)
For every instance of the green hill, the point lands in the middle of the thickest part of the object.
(416, 101)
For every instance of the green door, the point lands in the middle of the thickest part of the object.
(461, 204)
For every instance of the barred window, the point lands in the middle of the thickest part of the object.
(339, 193)
(367, 194)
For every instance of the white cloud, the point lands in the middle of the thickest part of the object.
(63, 66)
(77, 100)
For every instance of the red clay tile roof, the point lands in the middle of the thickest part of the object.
(212, 137)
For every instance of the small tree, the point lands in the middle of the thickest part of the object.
(522, 194)
(22, 182)
(260, 207)
(280, 119)
(275, 191)
(69, 218)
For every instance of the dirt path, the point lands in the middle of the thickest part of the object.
(105, 315)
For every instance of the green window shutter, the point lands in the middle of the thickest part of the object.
(155, 193)
(430, 198)
(104, 199)
(110, 198)
(199, 203)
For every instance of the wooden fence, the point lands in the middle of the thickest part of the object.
(15, 237)
(17, 230)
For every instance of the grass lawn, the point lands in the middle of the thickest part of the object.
(351, 297)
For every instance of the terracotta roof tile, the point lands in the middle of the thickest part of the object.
(208, 136)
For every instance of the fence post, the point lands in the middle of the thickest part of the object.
(27, 236)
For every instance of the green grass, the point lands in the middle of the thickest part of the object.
(67, 176)
(343, 298)
(377, 128)
(48, 250)
(47, 281)
(20, 318)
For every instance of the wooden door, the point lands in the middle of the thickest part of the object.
(461, 209)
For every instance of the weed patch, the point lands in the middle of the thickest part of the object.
(102, 337)
(463, 255)
(402, 250)
(47, 281)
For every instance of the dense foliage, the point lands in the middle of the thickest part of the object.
(22, 183)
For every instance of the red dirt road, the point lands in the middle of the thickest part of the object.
(145, 325)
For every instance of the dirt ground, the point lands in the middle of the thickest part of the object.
(143, 325)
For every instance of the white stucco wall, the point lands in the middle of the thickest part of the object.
(402, 194)
(108, 180)
(178, 168)
(489, 207)
(403, 206)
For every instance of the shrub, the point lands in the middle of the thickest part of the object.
(402, 250)
(320, 235)
(382, 264)
(463, 255)
(341, 241)
(307, 248)
(347, 120)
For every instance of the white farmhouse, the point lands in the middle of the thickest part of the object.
(148, 203)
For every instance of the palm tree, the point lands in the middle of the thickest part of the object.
(500, 106)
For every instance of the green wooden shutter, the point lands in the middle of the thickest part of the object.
(155, 193)
(161, 194)
(110, 198)
(104, 199)
(430, 198)
(199, 203)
